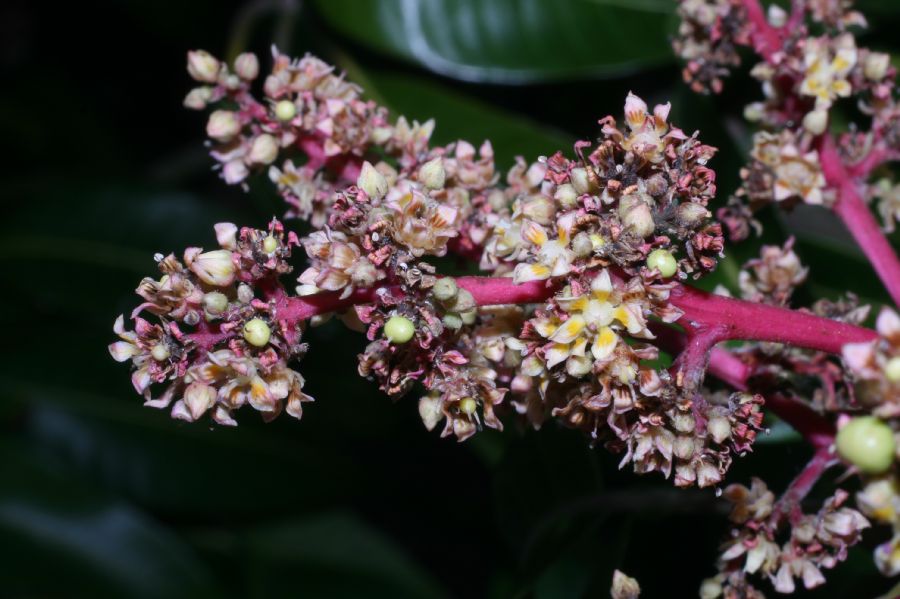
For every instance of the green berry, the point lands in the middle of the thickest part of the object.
(892, 369)
(663, 261)
(452, 320)
(257, 332)
(215, 302)
(399, 329)
(285, 110)
(269, 244)
(867, 443)
(467, 406)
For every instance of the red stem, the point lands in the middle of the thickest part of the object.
(766, 39)
(487, 291)
(876, 157)
(728, 368)
(704, 312)
(788, 505)
(856, 216)
(708, 319)
(738, 319)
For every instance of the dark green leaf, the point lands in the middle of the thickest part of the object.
(511, 41)
(332, 555)
(62, 539)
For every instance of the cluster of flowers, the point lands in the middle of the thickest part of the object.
(599, 240)
(814, 542)
(802, 77)
(589, 256)
(796, 159)
(216, 345)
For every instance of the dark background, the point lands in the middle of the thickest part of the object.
(102, 497)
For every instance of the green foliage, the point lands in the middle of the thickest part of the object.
(102, 497)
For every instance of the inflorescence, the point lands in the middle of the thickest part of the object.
(589, 256)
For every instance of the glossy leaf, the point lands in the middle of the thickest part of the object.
(511, 41)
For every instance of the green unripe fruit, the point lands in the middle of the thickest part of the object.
(663, 261)
(467, 406)
(892, 370)
(269, 244)
(399, 329)
(867, 443)
(215, 302)
(468, 317)
(285, 110)
(445, 289)
(452, 321)
(257, 332)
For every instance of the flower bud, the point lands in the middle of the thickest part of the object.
(246, 66)
(710, 588)
(198, 398)
(663, 261)
(445, 289)
(202, 66)
(214, 268)
(232, 82)
(636, 215)
(264, 150)
(580, 181)
(469, 316)
(876, 65)
(816, 121)
(399, 329)
(867, 443)
(285, 110)
(540, 209)
(497, 200)
(582, 245)
(452, 321)
(160, 352)
(215, 302)
(691, 214)
(223, 125)
(892, 369)
(467, 406)
(683, 447)
(754, 111)
(719, 429)
(432, 174)
(578, 366)
(565, 195)
(708, 475)
(464, 301)
(197, 98)
(226, 235)
(684, 422)
(624, 587)
(657, 185)
(256, 332)
(372, 182)
(777, 16)
(245, 293)
(234, 171)
(430, 410)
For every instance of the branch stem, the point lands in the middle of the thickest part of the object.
(855, 214)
